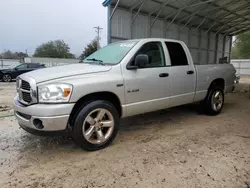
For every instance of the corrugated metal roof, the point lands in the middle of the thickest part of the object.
(228, 17)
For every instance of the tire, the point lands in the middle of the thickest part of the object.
(211, 100)
(7, 78)
(91, 129)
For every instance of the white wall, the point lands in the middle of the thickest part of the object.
(7, 62)
(242, 66)
(48, 62)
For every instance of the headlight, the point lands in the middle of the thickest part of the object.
(54, 93)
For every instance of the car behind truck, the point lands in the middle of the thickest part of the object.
(123, 79)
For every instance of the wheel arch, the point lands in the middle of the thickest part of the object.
(108, 96)
(217, 82)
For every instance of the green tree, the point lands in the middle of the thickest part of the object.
(235, 53)
(54, 49)
(242, 46)
(13, 55)
(90, 49)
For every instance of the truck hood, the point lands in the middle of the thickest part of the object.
(52, 73)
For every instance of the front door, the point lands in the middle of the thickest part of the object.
(146, 89)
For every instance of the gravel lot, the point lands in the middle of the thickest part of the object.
(177, 147)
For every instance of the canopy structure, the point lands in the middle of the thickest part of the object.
(207, 26)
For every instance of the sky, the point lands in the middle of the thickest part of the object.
(25, 24)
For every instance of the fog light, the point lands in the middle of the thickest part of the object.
(38, 123)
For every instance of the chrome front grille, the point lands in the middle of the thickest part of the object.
(25, 92)
(25, 85)
(26, 89)
(26, 97)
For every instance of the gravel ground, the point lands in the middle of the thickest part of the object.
(176, 147)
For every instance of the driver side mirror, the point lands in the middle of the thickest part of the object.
(141, 60)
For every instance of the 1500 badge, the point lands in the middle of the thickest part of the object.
(133, 90)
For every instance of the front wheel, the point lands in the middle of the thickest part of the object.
(214, 101)
(6, 78)
(96, 125)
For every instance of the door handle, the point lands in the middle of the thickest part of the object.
(163, 75)
(190, 72)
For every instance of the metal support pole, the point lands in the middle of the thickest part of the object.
(188, 21)
(230, 49)
(179, 10)
(98, 31)
(113, 12)
(204, 2)
(163, 6)
(164, 30)
(238, 25)
(131, 25)
(173, 19)
(149, 27)
(228, 39)
(199, 46)
(219, 30)
(160, 6)
(201, 23)
(179, 33)
(224, 46)
(215, 9)
(138, 11)
(228, 31)
(189, 37)
(216, 49)
(208, 46)
(240, 31)
(235, 11)
(109, 26)
(210, 28)
(136, 4)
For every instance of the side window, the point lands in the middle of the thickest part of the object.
(155, 53)
(177, 54)
(32, 66)
(22, 67)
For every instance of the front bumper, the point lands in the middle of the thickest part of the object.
(54, 117)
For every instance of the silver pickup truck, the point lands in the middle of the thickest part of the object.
(127, 78)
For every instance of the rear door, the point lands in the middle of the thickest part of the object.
(182, 74)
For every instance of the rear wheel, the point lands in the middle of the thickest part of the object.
(96, 125)
(214, 101)
(6, 78)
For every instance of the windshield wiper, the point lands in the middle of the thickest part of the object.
(96, 60)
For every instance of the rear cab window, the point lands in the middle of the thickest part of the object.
(177, 54)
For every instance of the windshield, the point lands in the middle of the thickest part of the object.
(111, 54)
(13, 66)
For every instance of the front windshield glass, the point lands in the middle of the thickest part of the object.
(111, 54)
(13, 66)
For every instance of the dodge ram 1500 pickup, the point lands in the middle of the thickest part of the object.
(126, 78)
